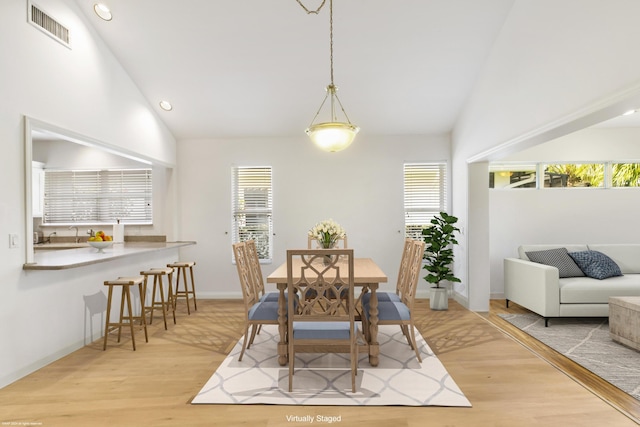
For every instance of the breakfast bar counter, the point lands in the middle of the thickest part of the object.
(79, 257)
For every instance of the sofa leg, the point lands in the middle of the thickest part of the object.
(546, 322)
(507, 301)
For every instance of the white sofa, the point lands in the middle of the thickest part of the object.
(539, 288)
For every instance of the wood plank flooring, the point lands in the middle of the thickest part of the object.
(507, 384)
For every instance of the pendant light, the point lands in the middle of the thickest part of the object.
(332, 135)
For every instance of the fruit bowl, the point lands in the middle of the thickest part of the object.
(100, 245)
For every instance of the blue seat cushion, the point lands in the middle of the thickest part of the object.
(390, 310)
(272, 296)
(264, 310)
(321, 330)
(382, 296)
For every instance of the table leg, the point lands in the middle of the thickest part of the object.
(282, 325)
(374, 347)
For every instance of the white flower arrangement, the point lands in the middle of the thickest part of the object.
(327, 233)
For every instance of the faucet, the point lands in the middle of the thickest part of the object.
(77, 238)
(90, 232)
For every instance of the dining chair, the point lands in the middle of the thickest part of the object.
(257, 312)
(256, 272)
(402, 271)
(401, 312)
(323, 322)
(341, 243)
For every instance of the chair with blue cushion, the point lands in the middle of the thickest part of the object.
(391, 296)
(316, 320)
(256, 273)
(257, 312)
(401, 312)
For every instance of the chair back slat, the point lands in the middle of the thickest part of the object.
(404, 266)
(320, 275)
(254, 267)
(244, 274)
(412, 273)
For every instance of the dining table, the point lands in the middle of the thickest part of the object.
(367, 276)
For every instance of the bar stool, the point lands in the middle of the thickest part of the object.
(125, 283)
(163, 304)
(182, 267)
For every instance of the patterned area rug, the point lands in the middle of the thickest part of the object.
(325, 379)
(586, 341)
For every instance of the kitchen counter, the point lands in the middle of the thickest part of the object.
(80, 256)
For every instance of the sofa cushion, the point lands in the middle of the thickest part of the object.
(523, 249)
(585, 290)
(558, 258)
(596, 264)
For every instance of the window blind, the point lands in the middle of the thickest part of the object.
(97, 196)
(252, 206)
(425, 190)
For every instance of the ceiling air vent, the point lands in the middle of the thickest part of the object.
(48, 25)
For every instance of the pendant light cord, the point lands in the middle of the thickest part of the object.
(331, 39)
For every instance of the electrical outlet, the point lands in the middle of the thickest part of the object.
(13, 241)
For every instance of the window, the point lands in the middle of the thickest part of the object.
(97, 196)
(512, 176)
(575, 174)
(425, 190)
(625, 175)
(252, 207)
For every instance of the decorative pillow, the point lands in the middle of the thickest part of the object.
(596, 264)
(558, 258)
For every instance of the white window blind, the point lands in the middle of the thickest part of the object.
(425, 190)
(97, 196)
(252, 206)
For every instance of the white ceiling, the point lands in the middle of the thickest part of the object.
(242, 68)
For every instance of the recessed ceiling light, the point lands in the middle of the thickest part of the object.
(102, 11)
(166, 105)
(628, 113)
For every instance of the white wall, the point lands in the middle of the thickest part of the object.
(554, 63)
(85, 90)
(361, 188)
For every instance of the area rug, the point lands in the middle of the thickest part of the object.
(586, 341)
(325, 379)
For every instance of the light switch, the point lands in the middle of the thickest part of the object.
(13, 241)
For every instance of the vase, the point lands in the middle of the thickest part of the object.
(439, 299)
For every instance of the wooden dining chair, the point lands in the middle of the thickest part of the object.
(321, 323)
(256, 272)
(402, 271)
(401, 312)
(257, 312)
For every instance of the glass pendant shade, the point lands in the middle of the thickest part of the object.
(332, 136)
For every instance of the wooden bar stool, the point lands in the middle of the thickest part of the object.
(128, 320)
(182, 267)
(164, 304)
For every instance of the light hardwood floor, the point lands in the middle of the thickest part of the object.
(507, 384)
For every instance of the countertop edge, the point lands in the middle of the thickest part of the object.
(66, 261)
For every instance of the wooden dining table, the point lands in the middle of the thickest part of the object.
(367, 276)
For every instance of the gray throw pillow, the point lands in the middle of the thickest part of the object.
(596, 264)
(558, 258)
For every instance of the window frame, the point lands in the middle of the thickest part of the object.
(260, 179)
(420, 205)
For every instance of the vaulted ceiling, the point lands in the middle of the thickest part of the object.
(246, 68)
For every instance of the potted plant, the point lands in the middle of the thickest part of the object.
(439, 239)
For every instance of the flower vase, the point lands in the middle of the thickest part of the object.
(327, 258)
